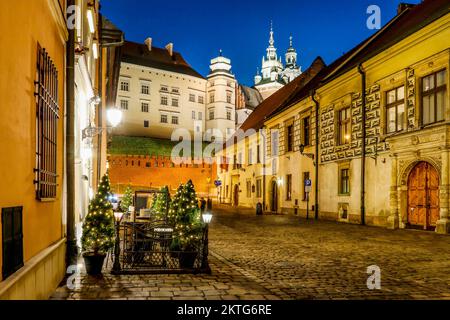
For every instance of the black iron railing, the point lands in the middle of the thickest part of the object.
(145, 247)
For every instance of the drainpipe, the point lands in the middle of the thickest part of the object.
(72, 250)
(102, 104)
(316, 168)
(264, 169)
(363, 146)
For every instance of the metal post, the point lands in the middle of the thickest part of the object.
(205, 264)
(307, 206)
(116, 267)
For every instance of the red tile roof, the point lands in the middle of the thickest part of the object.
(158, 58)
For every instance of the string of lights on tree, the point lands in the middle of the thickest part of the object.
(184, 211)
(98, 227)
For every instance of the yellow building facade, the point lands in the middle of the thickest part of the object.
(32, 85)
(403, 69)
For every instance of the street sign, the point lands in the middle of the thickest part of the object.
(308, 186)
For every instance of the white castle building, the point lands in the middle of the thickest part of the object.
(274, 75)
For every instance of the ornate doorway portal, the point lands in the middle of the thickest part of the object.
(423, 197)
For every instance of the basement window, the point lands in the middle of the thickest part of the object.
(12, 241)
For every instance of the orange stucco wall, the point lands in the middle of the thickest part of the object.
(24, 24)
(133, 170)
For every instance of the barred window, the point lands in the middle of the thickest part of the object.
(47, 116)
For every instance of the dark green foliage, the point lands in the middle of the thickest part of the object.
(185, 214)
(161, 201)
(98, 226)
(127, 200)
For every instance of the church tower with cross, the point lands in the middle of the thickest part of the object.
(274, 74)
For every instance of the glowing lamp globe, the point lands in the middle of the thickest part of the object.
(114, 116)
(207, 217)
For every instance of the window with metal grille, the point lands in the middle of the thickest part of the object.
(47, 116)
(12, 241)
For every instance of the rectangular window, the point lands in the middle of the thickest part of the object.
(124, 104)
(144, 107)
(344, 181)
(289, 187)
(164, 89)
(124, 85)
(290, 138)
(249, 188)
(228, 115)
(229, 96)
(192, 97)
(344, 117)
(146, 124)
(163, 118)
(193, 115)
(250, 156)
(274, 143)
(47, 117)
(306, 176)
(164, 101)
(145, 89)
(175, 102)
(200, 116)
(174, 120)
(434, 87)
(12, 241)
(201, 99)
(258, 188)
(258, 154)
(306, 131)
(395, 110)
(211, 115)
(211, 97)
(175, 90)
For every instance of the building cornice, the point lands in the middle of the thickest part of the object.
(58, 15)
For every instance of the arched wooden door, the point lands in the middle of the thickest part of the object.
(274, 197)
(423, 196)
(236, 195)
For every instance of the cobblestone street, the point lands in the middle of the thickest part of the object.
(284, 257)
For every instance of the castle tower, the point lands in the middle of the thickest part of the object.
(221, 98)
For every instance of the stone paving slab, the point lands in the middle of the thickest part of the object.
(285, 257)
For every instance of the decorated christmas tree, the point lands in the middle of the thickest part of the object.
(186, 214)
(161, 202)
(127, 200)
(98, 226)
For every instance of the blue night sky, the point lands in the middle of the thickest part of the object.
(199, 28)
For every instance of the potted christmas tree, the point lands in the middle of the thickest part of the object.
(185, 213)
(98, 229)
(161, 201)
(127, 200)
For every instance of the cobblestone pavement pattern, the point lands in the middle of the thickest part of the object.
(285, 257)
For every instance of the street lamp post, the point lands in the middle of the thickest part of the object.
(207, 217)
(116, 267)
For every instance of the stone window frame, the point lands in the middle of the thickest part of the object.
(344, 166)
(337, 124)
(259, 182)
(395, 104)
(287, 124)
(433, 92)
(289, 187)
(302, 128)
(248, 188)
(274, 130)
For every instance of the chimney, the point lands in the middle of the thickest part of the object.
(404, 6)
(169, 48)
(148, 42)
